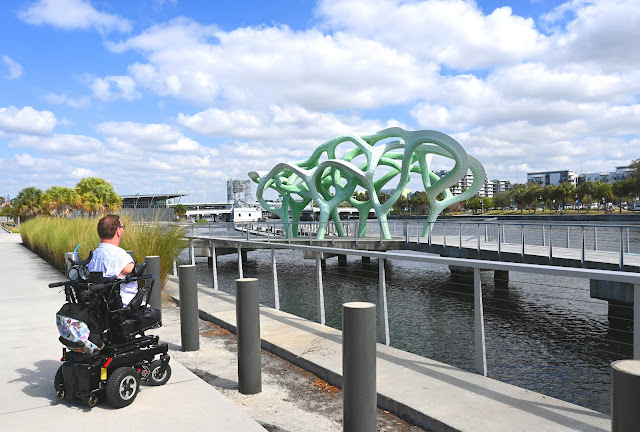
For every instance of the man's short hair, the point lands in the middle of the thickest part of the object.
(107, 226)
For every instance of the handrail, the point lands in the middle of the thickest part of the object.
(475, 264)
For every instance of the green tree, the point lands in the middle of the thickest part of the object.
(567, 193)
(419, 202)
(549, 194)
(28, 202)
(585, 193)
(635, 168)
(97, 195)
(533, 195)
(502, 199)
(519, 196)
(60, 201)
(602, 192)
(180, 210)
(622, 190)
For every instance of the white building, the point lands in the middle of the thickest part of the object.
(546, 178)
(488, 189)
(620, 173)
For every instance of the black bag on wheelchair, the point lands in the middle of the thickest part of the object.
(78, 328)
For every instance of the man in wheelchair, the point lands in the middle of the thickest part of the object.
(102, 324)
(113, 261)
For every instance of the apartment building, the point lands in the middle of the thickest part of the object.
(546, 178)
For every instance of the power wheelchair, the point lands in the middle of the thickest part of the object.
(106, 353)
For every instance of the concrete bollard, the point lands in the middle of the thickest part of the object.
(155, 299)
(248, 333)
(625, 388)
(189, 324)
(359, 367)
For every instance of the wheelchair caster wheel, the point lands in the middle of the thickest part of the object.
(60, 394)
(92, 401)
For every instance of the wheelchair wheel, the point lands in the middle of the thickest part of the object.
(157, 378)
(122, 387)
(58, 384)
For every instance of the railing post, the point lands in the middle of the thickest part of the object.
(240, 272)
(192, 253)
(406, 232)
(384, 315)
(459, 236)
(550, 245)
(583, 249)
(486, 232)
(621, 249)
(430, 227)
(523, 254)
(478, 235)
(320, 290)
(499, 243)
(595, 238)
(214, 267)
(359, 367)
(418, 230)
(544, 240)
(480, 348)
(625, 387)
(248, 334)
(627, 229)
(444, 239)
(175, 268)
(155, 297)
(189, 324)
(568, 246)
(274, 273)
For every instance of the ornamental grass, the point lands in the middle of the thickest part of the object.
(51, 238)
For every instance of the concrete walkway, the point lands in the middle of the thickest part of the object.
(30, 355)
(432, 395)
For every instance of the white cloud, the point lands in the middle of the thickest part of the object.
(276, 65)
(73, 14)
(284, 124)
(602, 33)
(158, 137)
(15, 70)
(26, 120)
(59, 143)
(114, 87)
(455, 33)
(64, 99)
(80, 173)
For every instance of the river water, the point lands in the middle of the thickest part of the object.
(543, 334)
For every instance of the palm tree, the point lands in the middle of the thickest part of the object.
(60, 201)
(28, 202)
(97, 195)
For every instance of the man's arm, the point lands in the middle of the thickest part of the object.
(127, 269)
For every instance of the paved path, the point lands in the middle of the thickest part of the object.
(430, 394)
(30, 354)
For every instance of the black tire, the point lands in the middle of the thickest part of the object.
(155, 377)
(58, 384)
(122, 387)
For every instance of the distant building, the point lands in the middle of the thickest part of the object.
(620, 173)
(546, 178)
(149, 207)
(488, 189)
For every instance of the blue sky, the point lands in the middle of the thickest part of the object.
(177, 96)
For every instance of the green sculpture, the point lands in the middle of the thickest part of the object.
(330, 181)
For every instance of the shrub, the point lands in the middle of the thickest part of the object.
(51, 238)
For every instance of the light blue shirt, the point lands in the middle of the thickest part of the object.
(111, 260)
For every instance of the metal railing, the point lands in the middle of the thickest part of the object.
(529, 237)
(472, 264)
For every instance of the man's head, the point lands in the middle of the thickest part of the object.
(110, 229)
